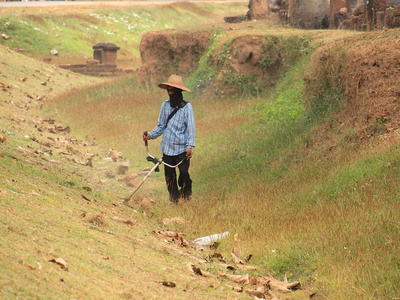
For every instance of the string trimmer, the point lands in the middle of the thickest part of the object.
(157, 162)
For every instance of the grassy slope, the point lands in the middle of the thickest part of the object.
(328, 218)
(319, 201)
(74, 30)
(53, 207)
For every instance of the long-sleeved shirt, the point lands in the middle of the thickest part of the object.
(179, 132)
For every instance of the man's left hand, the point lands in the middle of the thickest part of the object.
(189, 153)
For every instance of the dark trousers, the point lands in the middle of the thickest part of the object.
(184, 181)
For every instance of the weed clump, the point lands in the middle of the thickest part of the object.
(97, 219)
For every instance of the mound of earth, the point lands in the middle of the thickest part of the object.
(169, 52)
(236, 54)
(368, 73)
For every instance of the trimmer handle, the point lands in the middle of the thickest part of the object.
(145, 133)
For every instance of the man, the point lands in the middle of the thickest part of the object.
(176, 124)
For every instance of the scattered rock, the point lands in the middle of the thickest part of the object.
(122, 169)
(26, 151)
(196, 270)
(233, 19)
(147, 202)
(168, 284)
(241, 279)
(110, 174)
(359, 10)
(61, 262)
(128, 177)
(114, 154)
(134, 182)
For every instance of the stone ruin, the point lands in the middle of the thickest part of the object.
(324, 14)
(104, 62)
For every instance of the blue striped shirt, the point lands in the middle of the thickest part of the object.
(179, 134)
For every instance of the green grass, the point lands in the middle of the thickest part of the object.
(206, 70)
(74, 33)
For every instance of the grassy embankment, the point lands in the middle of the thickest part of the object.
(54, 207)
(74, 30)
(306, 199)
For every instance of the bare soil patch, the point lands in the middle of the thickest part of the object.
(171, 52)
(368, 67)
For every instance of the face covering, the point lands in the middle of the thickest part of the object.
(175, 98)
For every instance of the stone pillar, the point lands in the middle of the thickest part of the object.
(380, 18)
(372, 7)
(106, 53)
(308, 14)
(396, 17)
(258, 9)
(335, 6)
(356, 22)
(349, 6)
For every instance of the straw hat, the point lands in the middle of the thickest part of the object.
(174, 81)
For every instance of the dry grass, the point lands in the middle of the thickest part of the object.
(65, 233)
(125, 113)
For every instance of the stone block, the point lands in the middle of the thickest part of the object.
(380, 16)
(396, 11)
(109, 57)
(380, 5)
(106, 46)
(396, 22)
(234, 19)
(79, 70)
(345, 24)
(388, 18)
(78, 66)
(105, 74)
(91, 62)
(258, 9)
(335, 7)
(338, 19)
(359, 10)
(96, 74)
(95, 68)
(109, 66)
(356, 22)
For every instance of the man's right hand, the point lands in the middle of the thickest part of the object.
(146, 136)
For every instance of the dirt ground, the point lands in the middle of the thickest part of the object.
(369, 72)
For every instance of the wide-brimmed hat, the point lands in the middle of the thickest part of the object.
(174, 81)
